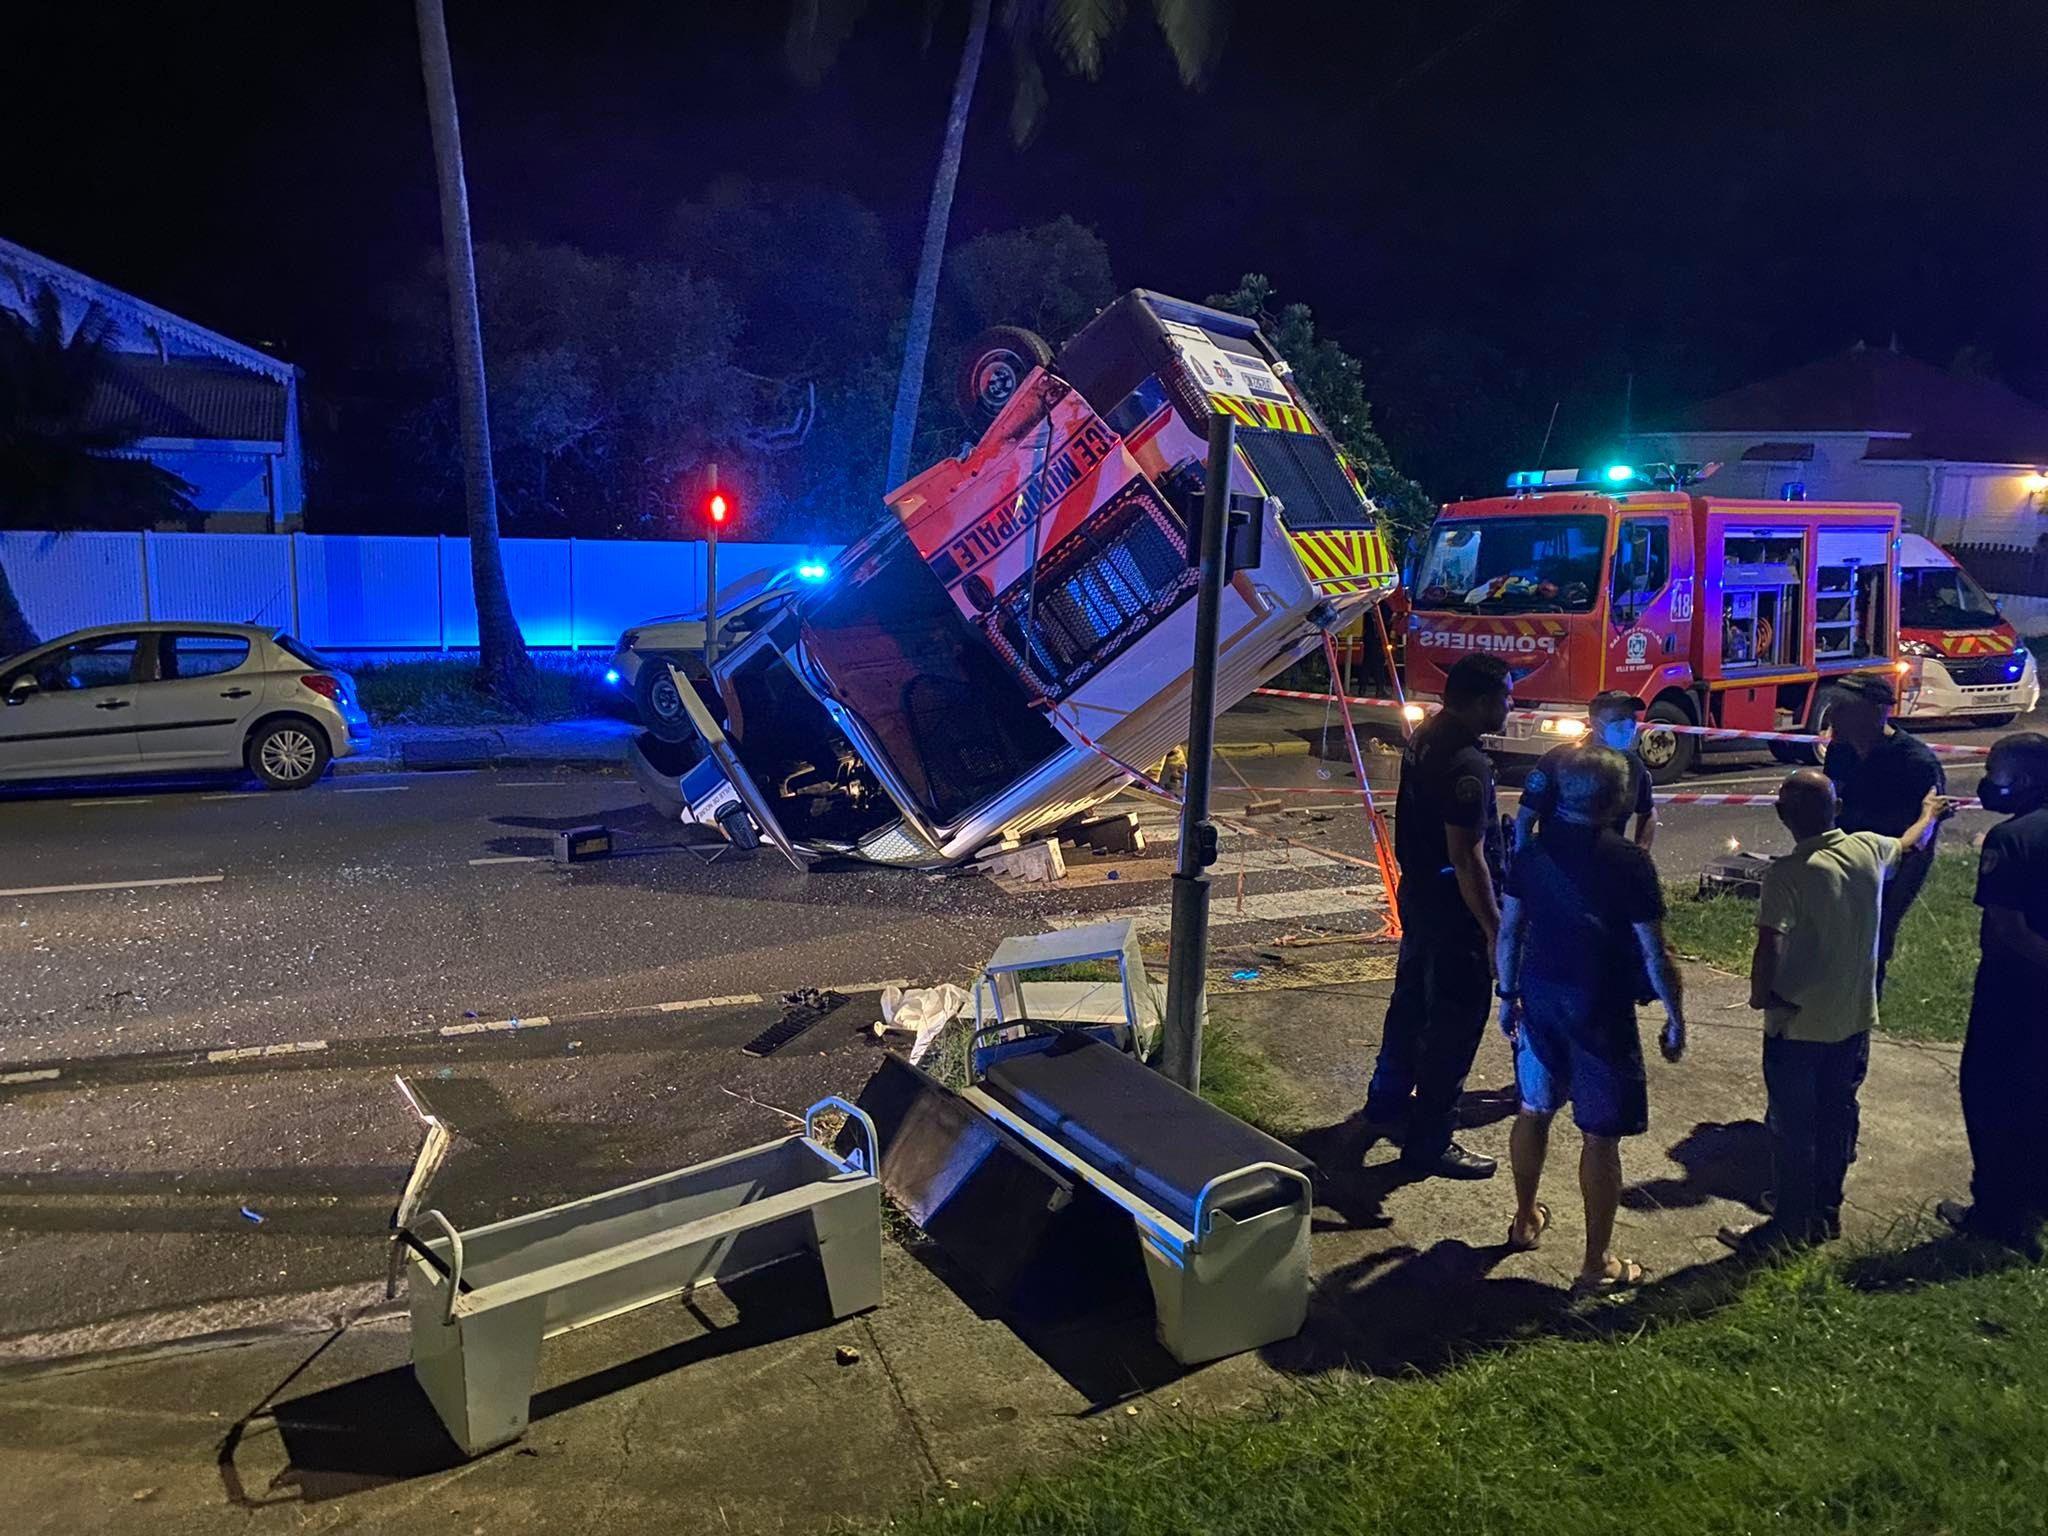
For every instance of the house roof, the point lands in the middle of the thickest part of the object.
(1868, 389)
(187, 397)
(24, 271)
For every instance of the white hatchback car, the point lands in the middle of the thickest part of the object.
(172, 698)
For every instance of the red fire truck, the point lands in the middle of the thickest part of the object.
(1713, 611)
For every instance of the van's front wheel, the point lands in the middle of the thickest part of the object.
(1666, 753)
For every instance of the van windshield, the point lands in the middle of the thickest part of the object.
(1943, 597)
(1513, 565)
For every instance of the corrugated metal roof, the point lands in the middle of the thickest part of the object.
(1870, 389)
(188, 398)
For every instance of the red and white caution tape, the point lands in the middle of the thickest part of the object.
(1962, 803)
(1704, 732)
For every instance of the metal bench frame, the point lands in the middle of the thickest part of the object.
(1220, 1287)
(476, 1338)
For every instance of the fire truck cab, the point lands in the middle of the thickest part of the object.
(1715, 612)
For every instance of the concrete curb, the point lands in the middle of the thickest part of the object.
(348, 766)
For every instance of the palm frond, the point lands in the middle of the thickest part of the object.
(1194, 31)
(1078, 29)
(1029, 95)
(818, 29)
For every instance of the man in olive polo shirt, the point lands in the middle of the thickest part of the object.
(1814, 978)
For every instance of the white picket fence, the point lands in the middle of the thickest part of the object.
(350, 592)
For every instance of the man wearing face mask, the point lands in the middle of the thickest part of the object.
(1882, 775)
(1610, 723)
(2005, 1054)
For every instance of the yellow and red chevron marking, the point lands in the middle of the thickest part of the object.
(1345, 559)
(1262, 413)
(1976, 644)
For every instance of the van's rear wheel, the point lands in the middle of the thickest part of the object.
(1666, 753)
(1800, 754)
(995, 363)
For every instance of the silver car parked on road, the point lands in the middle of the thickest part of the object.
(167, 698)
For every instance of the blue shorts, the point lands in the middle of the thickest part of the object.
(1563, 1058)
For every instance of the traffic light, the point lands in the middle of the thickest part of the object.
(717, 507)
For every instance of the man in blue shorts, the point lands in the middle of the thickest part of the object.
(1583, 903)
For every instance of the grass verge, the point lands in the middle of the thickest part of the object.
(1896, 1393)
(1927, 991)
(444, 692)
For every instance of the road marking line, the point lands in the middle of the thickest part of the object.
(711, 1002)
(110, 885)
(252, 1052)
(140, 800)
(235, 794)
(42, 1075)
(515, 858)
(497, 1026)
(375, 789)
(533, 783)
(1272, 906)
(851, 987)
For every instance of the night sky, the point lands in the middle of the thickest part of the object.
(1497, 206)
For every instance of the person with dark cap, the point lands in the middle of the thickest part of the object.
(1813, 976)
(2005, 1053)
(1447, 841)
(1584, 913)
(1610, 722)
(1881, 775)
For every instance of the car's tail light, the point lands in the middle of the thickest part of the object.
(327, 687)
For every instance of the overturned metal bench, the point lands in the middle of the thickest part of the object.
(483, 1300)
(1221, 1210)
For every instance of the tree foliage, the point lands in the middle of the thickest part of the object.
(1334, 382)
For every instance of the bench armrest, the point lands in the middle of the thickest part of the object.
(1222, 1181)
(450, 1267)
(868, 1161)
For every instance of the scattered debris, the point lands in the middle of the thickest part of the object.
(846, 1354)
(1131, 1410)
(255, 1216)
(748, 1098)
(1114, 874)
(922, 1012)
(1038, 863)
(140, 1494)
(1245, 974)
(800, 1010)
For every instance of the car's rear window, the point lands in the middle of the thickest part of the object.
(294, 647)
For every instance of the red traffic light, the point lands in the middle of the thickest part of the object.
(716, 506)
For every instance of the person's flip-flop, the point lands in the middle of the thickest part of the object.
(1530, 1245)
(1630, 1277)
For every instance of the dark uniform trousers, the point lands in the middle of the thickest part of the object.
(1900, 892)
(1443, 991)
(2004, 1082)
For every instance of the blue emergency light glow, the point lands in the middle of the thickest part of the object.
(811, 571)
(1620, 472)
(611, 675)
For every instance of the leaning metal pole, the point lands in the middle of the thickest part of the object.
(1187, 962)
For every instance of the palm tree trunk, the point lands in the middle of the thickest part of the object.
(16, 633)
(924, 300)
(503, 667)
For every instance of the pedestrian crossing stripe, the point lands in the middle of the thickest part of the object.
(1279, 415)
(1344, 560)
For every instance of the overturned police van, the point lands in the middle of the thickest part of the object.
(991, 661)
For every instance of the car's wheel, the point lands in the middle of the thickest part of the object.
(289, 754)
(661, 707)
(1666, 753)
(995, 363)
(1994, 722)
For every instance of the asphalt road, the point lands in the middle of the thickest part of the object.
(383, 924)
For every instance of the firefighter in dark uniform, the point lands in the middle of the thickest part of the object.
(1881, 777)
(1447, 839)
(2005, 1053)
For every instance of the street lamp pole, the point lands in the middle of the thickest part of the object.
(1187, 964)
